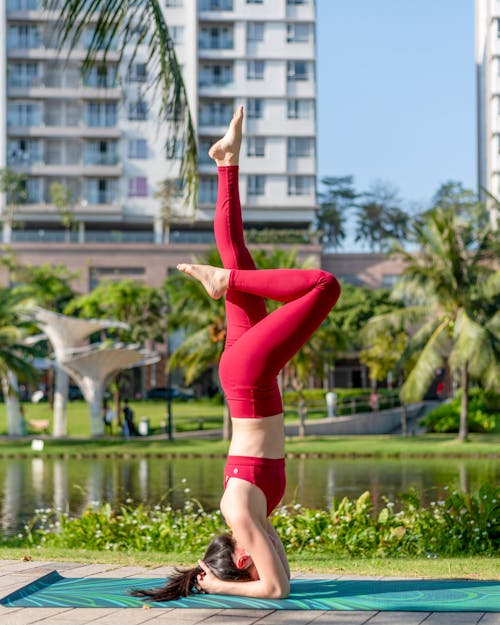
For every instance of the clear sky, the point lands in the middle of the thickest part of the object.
(396, 93)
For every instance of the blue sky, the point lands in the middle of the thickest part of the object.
(396, 93)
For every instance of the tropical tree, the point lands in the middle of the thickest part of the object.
(13, 184)
(452, 290)
(62, 198)
(129, 27)
(337, 198)
(380, 217)
(15, 356)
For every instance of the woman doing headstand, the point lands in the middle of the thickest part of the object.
(257, 347)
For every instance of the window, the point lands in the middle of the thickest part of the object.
(101, 191)
(171, 4)
(177, 34)
(207, 192)
(300, 185)
(216, 113)
(216, 38)
(255, 31)
(34, 190)
(299, 147)
(256, 185)
(298, 70)
(138, 187)
(22, 74)
(300, 109)
(138, 72)
(24, 151)
(389, 280)
(498, 28)
(216, 75)
(255, 70)
(296, 2)
(137, 111)
(256, 146)
(137, 148)
(255, 1)
(174, 149)
(24, 114)
(23, 5)
(24, 37)
(297, 33)
(100, 153)
(102, 114)
(216, 5)
(255, 108)
(99, 76)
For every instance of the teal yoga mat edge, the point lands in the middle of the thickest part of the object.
(489, 600)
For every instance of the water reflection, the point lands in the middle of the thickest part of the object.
(73, 485)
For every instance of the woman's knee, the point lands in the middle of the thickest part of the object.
(329, 284)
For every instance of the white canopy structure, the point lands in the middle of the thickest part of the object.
(91, 366)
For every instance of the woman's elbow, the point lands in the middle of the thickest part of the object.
(280, 591)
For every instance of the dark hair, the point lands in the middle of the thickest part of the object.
(218, 557)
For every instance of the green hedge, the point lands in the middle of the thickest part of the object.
(462, 524)
(484, 413)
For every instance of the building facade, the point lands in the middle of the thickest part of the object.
(488, 101)
(97, 134)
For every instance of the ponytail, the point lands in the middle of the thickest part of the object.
(218, 557)
(180, 584)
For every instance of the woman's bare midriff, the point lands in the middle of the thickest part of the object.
(260, 438)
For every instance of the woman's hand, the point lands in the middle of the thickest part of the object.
(207, 582)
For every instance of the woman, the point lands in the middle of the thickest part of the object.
(257, 347)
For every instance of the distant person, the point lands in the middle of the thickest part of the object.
(374, 400)
(108, 416)
(129, 428)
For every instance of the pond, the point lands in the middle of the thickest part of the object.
(74, 484)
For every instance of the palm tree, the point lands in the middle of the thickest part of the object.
(13, 184)
(15, 356)
(453, 293)
(128, 26)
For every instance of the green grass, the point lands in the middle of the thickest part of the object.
(382, 446)
(476, 567)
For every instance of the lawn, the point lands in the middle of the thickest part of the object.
(469, 567)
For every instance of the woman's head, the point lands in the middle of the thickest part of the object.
(219, 557)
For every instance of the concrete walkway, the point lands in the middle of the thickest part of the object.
(15, 574)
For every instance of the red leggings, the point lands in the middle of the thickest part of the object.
(258, 345)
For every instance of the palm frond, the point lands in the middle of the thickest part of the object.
(428, 361)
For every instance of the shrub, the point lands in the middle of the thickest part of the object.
(462, 524)
(483, 413)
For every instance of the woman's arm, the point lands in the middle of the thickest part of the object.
(278, 545)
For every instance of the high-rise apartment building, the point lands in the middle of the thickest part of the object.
(98, 134)
(488, 100)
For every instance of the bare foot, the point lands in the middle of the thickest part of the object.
(214, 279)
(226, 151)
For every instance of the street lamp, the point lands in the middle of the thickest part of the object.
(168, 382)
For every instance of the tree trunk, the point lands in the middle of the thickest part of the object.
(464, 405)
(60, 403)
(302, 415)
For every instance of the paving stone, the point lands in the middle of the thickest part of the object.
(26, 616)
(122, 571)
(224, 619)
(291, 617)
(130, 616)
(454, 618)
(334, 617)
(183, 616)
(399, 618)
(244, 612)
(490, 618)
(89, 570)
(79, 615)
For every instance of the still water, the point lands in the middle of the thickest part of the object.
(74, 484)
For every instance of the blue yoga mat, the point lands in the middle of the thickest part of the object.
(53, 590)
